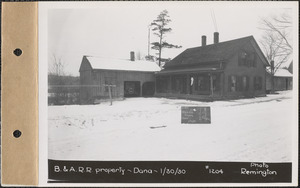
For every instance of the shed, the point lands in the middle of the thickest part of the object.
(283, 80)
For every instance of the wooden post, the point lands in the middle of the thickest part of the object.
(188, 83)
(222, 84)
(170, 85)
(155, 86)
(211, 85)
(141, 91)
(109, 92)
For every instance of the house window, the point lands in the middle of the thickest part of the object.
(258, 83)
(245, 81)
(232, 83)
(247, 59)
(238, 83)
(200, 83)
(242, 58)
(251, 60)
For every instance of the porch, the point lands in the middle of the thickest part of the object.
(196, 86)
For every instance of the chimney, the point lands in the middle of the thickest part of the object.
(132, 58)
(203, 40)
(216, 37)
(272, 67)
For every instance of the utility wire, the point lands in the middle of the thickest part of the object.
(213, 17)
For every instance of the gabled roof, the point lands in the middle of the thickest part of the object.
(290, 67)
(122, 64)
(281, 72)
(214, 52)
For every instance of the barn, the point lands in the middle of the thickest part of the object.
(283, 80)
(222, 70)
(100, 77)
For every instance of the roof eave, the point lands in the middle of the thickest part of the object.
(97, 69)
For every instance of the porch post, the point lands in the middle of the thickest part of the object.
(211, 84)
(109, 92)
(188, 83)
(141, 92)
(170, 84)
(155, 80)
(222, 83)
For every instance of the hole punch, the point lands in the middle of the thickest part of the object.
(17, 133)
(18, 52)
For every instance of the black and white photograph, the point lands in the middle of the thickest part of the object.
(171, 82)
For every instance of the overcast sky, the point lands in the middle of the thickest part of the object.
(113, 29)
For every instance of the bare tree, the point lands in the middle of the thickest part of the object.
(57, 89)
(57, 66)
(277, 40)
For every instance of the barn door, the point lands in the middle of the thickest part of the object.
(132, 89)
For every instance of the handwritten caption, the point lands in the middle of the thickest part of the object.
(261, 169)
(120, 170)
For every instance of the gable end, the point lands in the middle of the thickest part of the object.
(85, 65)
(259, 52)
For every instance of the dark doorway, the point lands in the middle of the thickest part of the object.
(132, 89)
(148, 89)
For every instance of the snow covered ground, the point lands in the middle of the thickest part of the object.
(257, 130)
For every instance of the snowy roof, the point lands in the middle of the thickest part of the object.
(283, 73)
(122, 64)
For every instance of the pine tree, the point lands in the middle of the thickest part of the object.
(160, 29)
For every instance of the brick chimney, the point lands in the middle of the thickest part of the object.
(203, 40)
(272, 67)
(132, 57)
(216, 37)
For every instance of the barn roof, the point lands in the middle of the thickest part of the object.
(214, 52)
(283, 73)
(122, 64)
